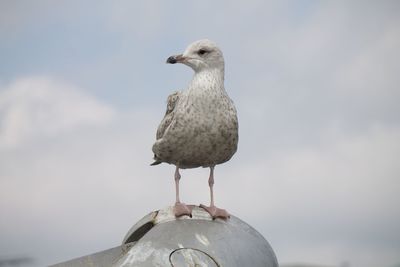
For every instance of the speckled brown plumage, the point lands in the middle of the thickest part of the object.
(200, 127)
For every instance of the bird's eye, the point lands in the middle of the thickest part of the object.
(202, 52)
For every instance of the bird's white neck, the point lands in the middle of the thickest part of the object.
(211, 79)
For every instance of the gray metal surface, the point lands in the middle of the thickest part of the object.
(159, 239)
(104, 258)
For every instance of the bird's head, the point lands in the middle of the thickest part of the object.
(200, 55)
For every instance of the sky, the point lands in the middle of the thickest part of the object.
(83, 86)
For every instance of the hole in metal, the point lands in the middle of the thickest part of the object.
(140, 232)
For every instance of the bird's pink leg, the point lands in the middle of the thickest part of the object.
(212, 209)
(180, 209)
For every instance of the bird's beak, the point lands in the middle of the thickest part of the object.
(176, 59)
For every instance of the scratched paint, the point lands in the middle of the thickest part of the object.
(161, 257)
(192, 259)
(139, 253)
(202, 239)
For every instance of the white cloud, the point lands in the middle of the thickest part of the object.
(329, 201)
(373, 70)
(132, 18)
(40, 106)
(52, 190)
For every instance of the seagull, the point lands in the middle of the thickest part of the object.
(200, 126)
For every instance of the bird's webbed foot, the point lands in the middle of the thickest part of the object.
(216, 212)
(181, 209)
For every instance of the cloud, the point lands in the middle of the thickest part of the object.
(329, 201)
(52, 189)
(120, 18)
(66, 158)
(336, 65)
(372, 71)
(316, 91)
(39, 106)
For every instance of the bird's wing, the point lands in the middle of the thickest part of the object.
(169, 114)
